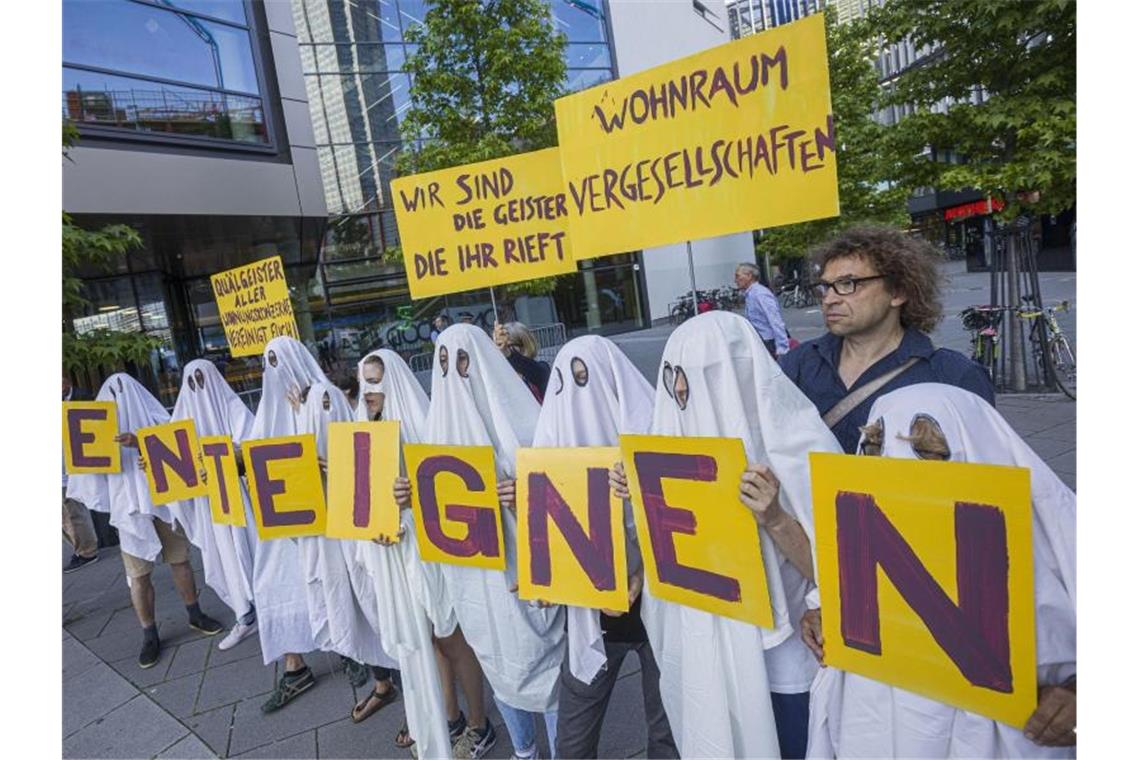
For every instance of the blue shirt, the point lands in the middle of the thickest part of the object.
(814, 368)
(763, 310)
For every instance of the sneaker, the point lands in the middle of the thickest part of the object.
(475, 743)
(238, 633)
(206, 624)
(149, 654)
(455, 728)
(288, 689)
(78, 562)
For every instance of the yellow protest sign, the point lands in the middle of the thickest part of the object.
(483, 224)
(571, 540)
(285, 487)
(173, 459)
(700, 545)
(734, 138)
(456, 505)
(253, 305)
(364, 461)
(222, 483)
(926, 578)
(89, 432)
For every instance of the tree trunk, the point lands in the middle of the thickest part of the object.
(1016, 347)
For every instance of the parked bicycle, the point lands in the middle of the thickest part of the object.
(1051, 348)
(983, 323)
(797, 293)
(681, 308)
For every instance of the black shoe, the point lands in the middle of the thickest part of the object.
(149, 654)
(206, 624)
(78, 562)
(358, 674)
(288, 689)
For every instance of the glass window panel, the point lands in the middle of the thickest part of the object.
(142, 39)
(308, 59)
(230, 10)
(412, 12)
(145, 106)
(583, 78)
(152, 302)
(371, 57)
(579, 20)
(365, 107)
(579, 56)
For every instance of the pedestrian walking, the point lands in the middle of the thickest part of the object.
(762, 309)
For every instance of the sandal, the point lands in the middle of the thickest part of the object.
(404, 738)
(373, 703)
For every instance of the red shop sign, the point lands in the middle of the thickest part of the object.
(967, 210)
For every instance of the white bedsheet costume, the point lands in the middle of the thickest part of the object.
(615, 399)
(342, 611)
(278, 576)
(480, 401)
(408, 594)
(227, 551)
(125, 495)
(854, 716)
(716, 673)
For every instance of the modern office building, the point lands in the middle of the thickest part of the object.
(195, 130)
(352, 54)
(746, 17)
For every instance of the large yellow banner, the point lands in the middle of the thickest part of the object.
(89, 432)
(483, 224)
(253, 305)
(926, 578)
(456, 505)
(734, 138)
(222, 483)
(700, 545)
(173, 461)
(285, 487)
(571, 537)
(364, 461)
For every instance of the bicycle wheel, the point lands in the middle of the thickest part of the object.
(1063, 366)
(786, 299)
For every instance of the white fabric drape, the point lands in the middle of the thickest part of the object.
(854, 716)
(480, 401)
(716, 673)
(408, 595)
(227, 551)
(125, 495)
(614, 399)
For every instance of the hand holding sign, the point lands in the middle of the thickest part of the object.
(1054, 722)
(618, 482)
(811, 631)
(506, 490)
(402, 492)
(127, 439)
(760, 491)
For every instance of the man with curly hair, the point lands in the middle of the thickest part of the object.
(880, 296)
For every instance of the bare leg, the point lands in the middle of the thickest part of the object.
(462, 658)
(294, 662)
(447, 681)
(184, 582)
(142, 598)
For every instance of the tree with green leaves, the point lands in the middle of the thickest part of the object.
(1019, 143)
(485, 76)
(95, 352)
(866, 168)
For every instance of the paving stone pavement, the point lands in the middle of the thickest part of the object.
(200, 702)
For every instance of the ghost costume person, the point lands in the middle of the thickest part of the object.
(596, 394)
(855, 716)
(279, 586)
(227, 551)
(406, 603)
(342, 609)
(478, 400)
(718, 379)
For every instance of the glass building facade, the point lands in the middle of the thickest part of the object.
(352, 54)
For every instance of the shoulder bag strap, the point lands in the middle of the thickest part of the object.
(856, 397)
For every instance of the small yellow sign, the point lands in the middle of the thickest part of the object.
(700, 545)
(253, 305)
(173, 461)
(456, 503)
(571, 538)
(364, 461)
(483, 224)
(285, 488)
(222, 482)
(926, 578)
(734, 138)
(89, 432)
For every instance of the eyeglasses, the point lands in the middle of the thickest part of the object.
(844, 286)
